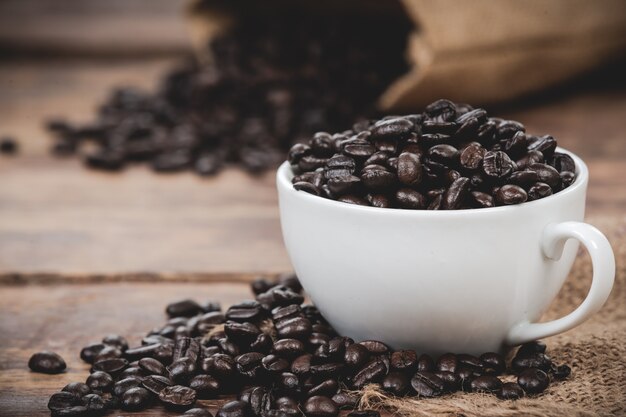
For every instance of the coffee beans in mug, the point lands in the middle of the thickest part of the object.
(278, 357)
(449, 157)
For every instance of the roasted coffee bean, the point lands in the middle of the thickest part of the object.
(289, 382)
(546, 174)
(441, 109)
(205, 386)
(409, 169)
(116, 340)
(396, 383)
(110, 366)
(249, 311)
(77, 388)
(108, 352)
(294, 328)
(46, 362)
(408, 198)
(510, 194)
(539, 190)
(545, 144)
(445, 154)
(356, 355)
(482, 200)
(456, 194)
(364, 413)
(94, 403)
(510, 391)
(156, 383)
(524, 178)
(466, 376)
(274, 364)
(181, 370)
(560, 371)
(471, 362)
(375, 347)
(471, 156)
(131, 371)
(372, 372)
(451, 380)
(494, 363)
(89, 353)
(339, 166)
(404, 360)
(123, 385)
(135, 399)
(249, 364)
(531, 348)
(152, 366)
(377, 178)
(288, 405)
(353, 199)
(425, 363)
(306, 187)
(531, 360)
(533, 380)
(486, 383)
(289, 348)
(345, 400)
(319, 406)
(177, 397)
(447, 362)
(326, 388)
(567, 179)
(197, 412)
(233, 409)
(241, 333)
(62, 400)
(220, 365)
(100, 381)
(532, 157)
(297, 152)
(427, 384)
(302, 364)
(394, 129)
(562, 162)
(497, 165)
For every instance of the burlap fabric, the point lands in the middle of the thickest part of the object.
(596, 351)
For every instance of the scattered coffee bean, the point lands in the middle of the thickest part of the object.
(319, 406)
(77, 388)
(135, 399)
(533, 381)
(233, 409)
(46, 362)
(486, 383)
(511, 391)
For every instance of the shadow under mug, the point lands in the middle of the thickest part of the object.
(469, 281)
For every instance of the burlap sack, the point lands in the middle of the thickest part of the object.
(478, 51)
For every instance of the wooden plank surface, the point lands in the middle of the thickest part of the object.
(64, 318)
(59, 219)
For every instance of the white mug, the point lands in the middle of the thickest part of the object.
(468, 281)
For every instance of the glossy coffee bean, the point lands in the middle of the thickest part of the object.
(425, 363)
(531, 360)
(319, 406)
(100, 381)
(539, 190)
(456, 195)
(47, 362)
(409, 169)
(177, 397)
(123, 385)
(397, 383)
(77, 388)
(372, 372)
(111, 366)
(511, 194)
(233, 409)
(486, 383)
(427, 384)
(447, 362)
(533, 380)
(135, 399)
(546, 174)
(156, 383)
(183, 308)
(497, 165)
(197, 412)
(510, 391)
(494, 363)
(62, 400)
(205, 386)
(356, 355)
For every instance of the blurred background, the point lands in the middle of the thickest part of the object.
(139, 137)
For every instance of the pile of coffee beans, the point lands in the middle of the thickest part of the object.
(277, 357)
(450, 157)
(274, 80)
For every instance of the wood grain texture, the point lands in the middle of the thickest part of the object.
(59, 219)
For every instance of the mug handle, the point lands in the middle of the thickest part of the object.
(603, 261)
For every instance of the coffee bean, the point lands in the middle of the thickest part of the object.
(372, 372)
(471, 156)
(46, 362)
(135, 399)
(452, 381)
(319, 406)
(562, 162)
(486, 383)
(249, 311)
(425, 363)
(482, 200)
(131, 371)
(456, 194)
(241, 333)
(294, 328)
(100, 381)
(345, 400)
(307, 188)
(447, 362)
(364, 413)
(77, 388)
(375, 347)
(539, 190)
(377, 178)
(493, 363)
(116, 340)
(531, 348)
(533, 380)
(156, 383)
(395, 129)
(427, 384)
(62, 400)
(510, 391)
(545, 144)
(233, 409)
(567, 179)
(205, 386)
(524, 178)
(410, 199)
(88, 353)
(249, 364)
(409, 169)
(177, 396)
(274, 364)
(511, 194)
(111, 366)
(108, 352)
(497, 165)
(123, 385)
(404, 360)
(356, 355)
(326, 388)
(197, 412)
(152, 366)
(396, 383)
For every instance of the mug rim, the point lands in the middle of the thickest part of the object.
(284, 175)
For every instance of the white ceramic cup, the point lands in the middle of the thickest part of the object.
(468, 281)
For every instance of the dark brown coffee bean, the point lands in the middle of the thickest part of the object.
(375, 347)
(524, 178)
(353, 199)
(545, 144)
(456, 195)
(533, 380)
(372, 372)
(427, 384)
(249, 364)
(135, 399)
(297, 152)
(326, 388)
(302, 364)
(511, 194)
(274, 364)
(486, 383)
(319, 406)
(404, 360)
(111, 366)
(446, 154)
(395, 129)
(359, 149)
(177, 396)
(183, 308)
(471, 156)
(46, 362)
(396, 383)
(233, 409)
(451, 380)
(563, 162)
(409, 169)
(116, 340)
(356, 355)
(152, 366)
(294, 328)
(493, 363)
(306, 187)
(197, 412)
(77, 388)
(343, 185)
(249, 311)
(531, 360)
(510, 391)
(567, 179)
(546, 174)
(441, 109)
(123, 385)
(100, 381)
(447, 362)
(425, 363)
(561, 371)
(482, 200)
(377, 179)
(205, 386)
(61, 400)
(497, 165)
(408, 198)
(532, 157)
(156, 383)
(531, 348)
(378, 200)
(539, 190)
(345, 400)
(89, 353)
(181, 370)
(241, 333)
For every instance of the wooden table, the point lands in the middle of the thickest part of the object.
(84, 253)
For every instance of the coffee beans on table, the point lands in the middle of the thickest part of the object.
(47, 363)
(275, 356)
(275, 79)
(449, 157)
